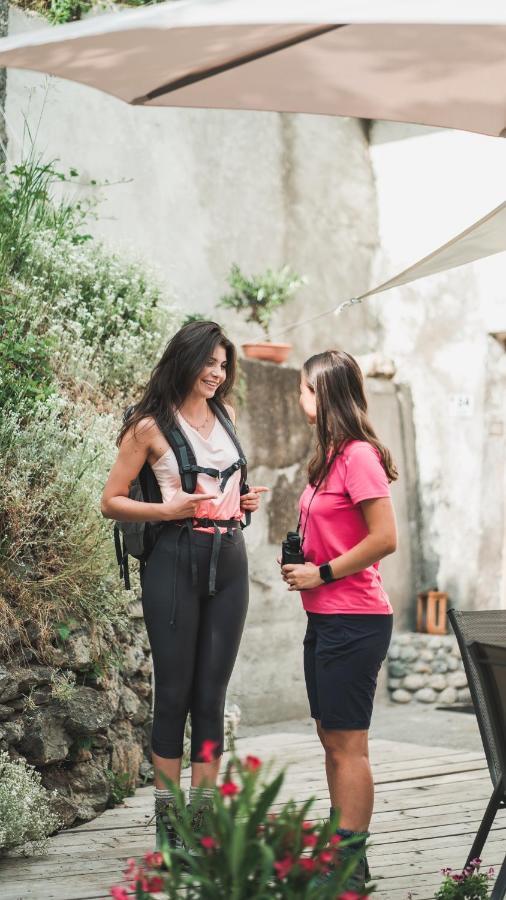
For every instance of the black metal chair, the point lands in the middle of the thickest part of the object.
(486, 627)
(490, 663)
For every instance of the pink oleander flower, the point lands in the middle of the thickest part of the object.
(325, 857)
(208, 843)
(306, 863)
(119, 893)
(335, 840)
(228, 789)
(153, 860)
(253, 763)
(309, 840)
(154, 885)
(283, 867)
(307, 826)
(208, 751)
(352, 895)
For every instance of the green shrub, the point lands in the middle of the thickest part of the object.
(25, 808)
(26, 375)
(244, 851)
(55, 548)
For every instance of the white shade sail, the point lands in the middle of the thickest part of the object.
(484, 238)
(435, 62)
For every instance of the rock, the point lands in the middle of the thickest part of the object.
(89, 710)
(408, 653)
(404, 638)
(65, 808)
(457, 679)
(414, 682)
(101, 741)
(394, 651)
(78, 651)
(448, 696)
(9, 688)
(133, 659)
(45, 740)
(394, 683)
(426, 695)
(464, 695)
(13, 731)
(452, 663)
(422, 667)
(146, 771)
(438, 682)
(397, 669)
(440, 666)
(126, 758)
(5, 712)
(427, 655)
(129, 702)
(401, 696)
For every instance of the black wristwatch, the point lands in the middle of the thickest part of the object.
(326, 573)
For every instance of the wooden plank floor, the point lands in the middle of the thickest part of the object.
(429, 802)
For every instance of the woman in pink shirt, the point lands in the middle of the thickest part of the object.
(347, 525)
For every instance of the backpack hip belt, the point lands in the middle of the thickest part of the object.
(186, 527)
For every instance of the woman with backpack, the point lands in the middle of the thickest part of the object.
(195, 580)
(347, 525)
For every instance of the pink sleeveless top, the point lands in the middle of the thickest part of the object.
(217, 451)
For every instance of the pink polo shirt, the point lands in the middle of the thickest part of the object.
(336, 523)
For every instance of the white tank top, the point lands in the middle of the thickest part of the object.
(217, 451)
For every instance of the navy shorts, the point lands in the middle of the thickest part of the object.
(342, 658)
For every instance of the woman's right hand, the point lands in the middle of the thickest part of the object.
(181, 506)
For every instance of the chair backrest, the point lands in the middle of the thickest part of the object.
(490, 662)
(488, 627)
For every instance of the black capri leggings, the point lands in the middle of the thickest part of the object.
(193, 660)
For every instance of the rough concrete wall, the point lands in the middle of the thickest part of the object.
(268, 682)
(437, 332)
(206, 188)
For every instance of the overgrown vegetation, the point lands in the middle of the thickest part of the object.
(79, 332)
(60, 11)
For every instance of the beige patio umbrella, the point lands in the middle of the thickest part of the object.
(436, 62)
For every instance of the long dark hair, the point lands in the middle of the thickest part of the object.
(341, 411)
(174, 375)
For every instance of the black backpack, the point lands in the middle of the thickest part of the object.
(137, 539)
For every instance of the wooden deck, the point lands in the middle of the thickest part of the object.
(428, 805)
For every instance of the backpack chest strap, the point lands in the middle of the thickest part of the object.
(189, 469)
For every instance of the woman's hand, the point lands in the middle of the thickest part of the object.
(301, 577)
(181, 506)
(251, 501)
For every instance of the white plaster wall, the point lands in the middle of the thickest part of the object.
(429, 188)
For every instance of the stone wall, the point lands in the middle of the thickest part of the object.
(426, 668)
(83, 722)
(268, 681)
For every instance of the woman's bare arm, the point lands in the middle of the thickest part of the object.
(135, 448)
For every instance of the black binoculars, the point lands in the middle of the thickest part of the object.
(291, 549)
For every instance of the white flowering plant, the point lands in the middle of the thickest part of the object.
(26, 816)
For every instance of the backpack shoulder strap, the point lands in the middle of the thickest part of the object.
(185, 457)
(222, 415)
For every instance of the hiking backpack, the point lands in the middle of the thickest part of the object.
(137, 539)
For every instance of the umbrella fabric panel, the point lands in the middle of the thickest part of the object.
(447, 75)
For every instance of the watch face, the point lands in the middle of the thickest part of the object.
(326, 572)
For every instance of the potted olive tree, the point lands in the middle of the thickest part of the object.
(258, 298)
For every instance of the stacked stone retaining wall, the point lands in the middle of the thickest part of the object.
(426, 668)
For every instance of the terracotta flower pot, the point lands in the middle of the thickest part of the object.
(267, 350)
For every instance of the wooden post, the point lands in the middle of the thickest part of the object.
(431, 612)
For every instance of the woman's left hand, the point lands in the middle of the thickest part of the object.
(251, 501)
(301, 577)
